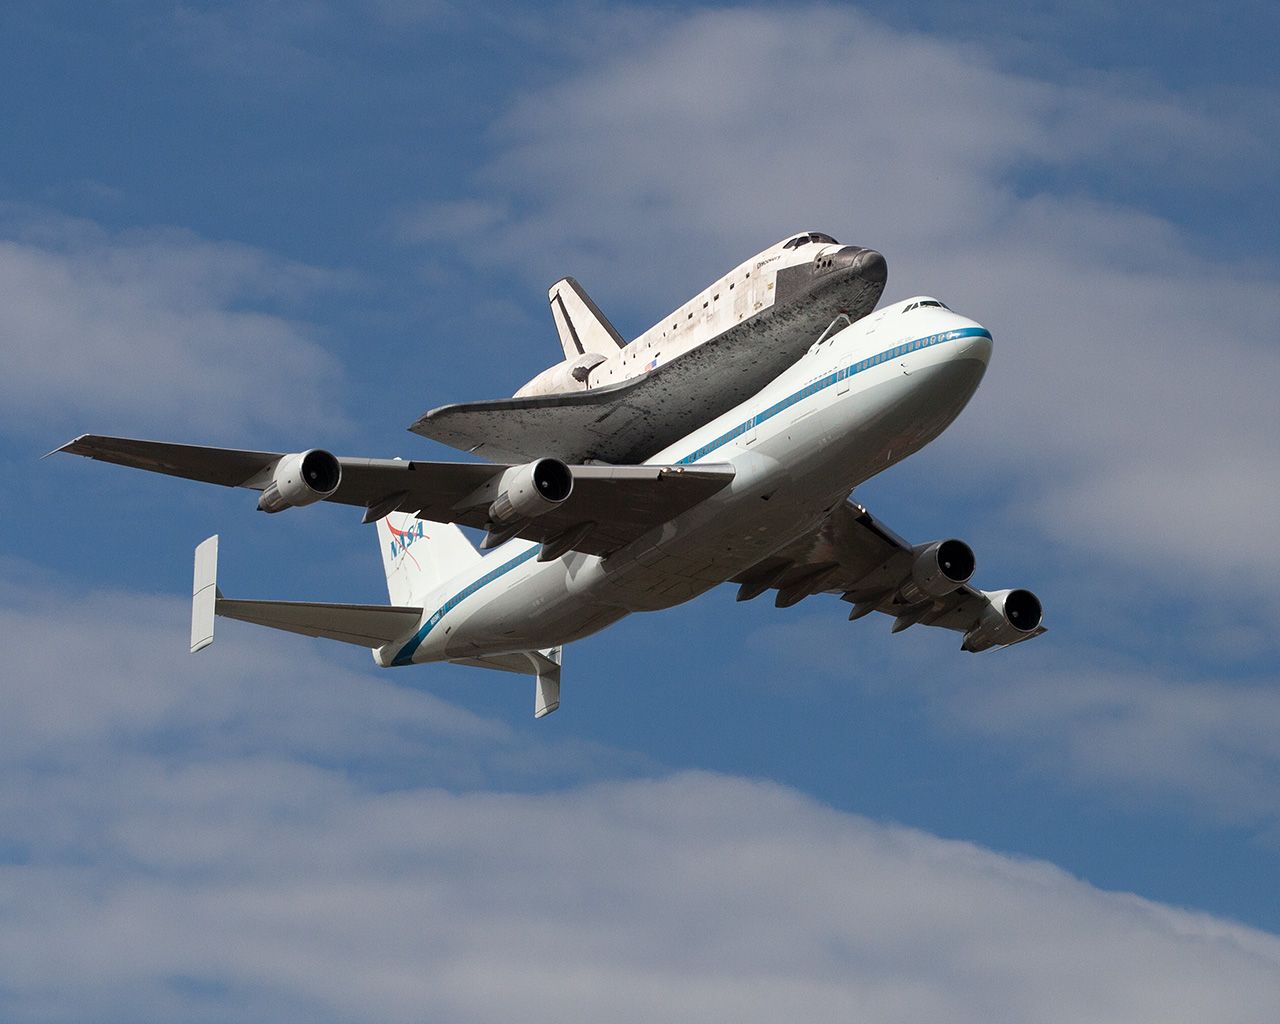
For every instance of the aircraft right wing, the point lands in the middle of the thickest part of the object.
(591, 508)
(870, 566)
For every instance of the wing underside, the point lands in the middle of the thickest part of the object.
(856, 556)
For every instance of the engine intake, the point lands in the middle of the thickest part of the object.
(301, 479)
(1010, 616)
(531, 490)
(938, 569)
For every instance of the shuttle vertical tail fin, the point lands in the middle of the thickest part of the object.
(579, 322)
(418, 556)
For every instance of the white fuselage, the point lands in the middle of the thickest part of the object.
(854, 404)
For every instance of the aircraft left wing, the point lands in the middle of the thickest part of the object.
(875, 570)
(592, 508)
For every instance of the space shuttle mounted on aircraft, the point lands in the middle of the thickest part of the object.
(757, 494)
(620, 402)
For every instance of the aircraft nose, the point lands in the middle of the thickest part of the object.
(978, 348)
(866, 263)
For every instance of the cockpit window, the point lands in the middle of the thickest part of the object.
(812, 236)
(924, 302)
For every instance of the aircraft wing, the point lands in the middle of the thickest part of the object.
(853, 554)
(608, 507)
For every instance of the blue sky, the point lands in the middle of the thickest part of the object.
(292, 224)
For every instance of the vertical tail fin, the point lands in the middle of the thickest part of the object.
(418, 556)
(579, 322)
(204, 594)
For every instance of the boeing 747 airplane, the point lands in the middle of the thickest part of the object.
(759, 496)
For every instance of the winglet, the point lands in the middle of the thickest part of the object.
(204, 594)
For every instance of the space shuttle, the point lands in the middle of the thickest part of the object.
(614, 401)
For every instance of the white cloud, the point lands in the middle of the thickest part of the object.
(259, 833)
(260, 890)
(1132, 390)
(150, 328)
(1146, 737)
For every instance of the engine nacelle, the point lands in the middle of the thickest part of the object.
(531, 490)
(301, 479)
(938, 569)
(1011, 615)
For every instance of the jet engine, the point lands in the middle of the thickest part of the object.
(301, 479)
(1010, 616)
(938, 569)
(531, 490)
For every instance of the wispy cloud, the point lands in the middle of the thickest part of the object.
(116, 331)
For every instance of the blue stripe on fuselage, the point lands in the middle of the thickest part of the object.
(405, 654)
(914, 345)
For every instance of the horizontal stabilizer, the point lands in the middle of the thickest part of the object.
(545, 665)
(365, 625)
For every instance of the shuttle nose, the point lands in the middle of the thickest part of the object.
(867, 263)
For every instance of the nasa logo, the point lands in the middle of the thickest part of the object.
(402, 539)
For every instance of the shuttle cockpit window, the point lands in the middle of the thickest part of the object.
(812, 236)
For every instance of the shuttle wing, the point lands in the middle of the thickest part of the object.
(855, 555)
(620, 423)
(608, 507)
